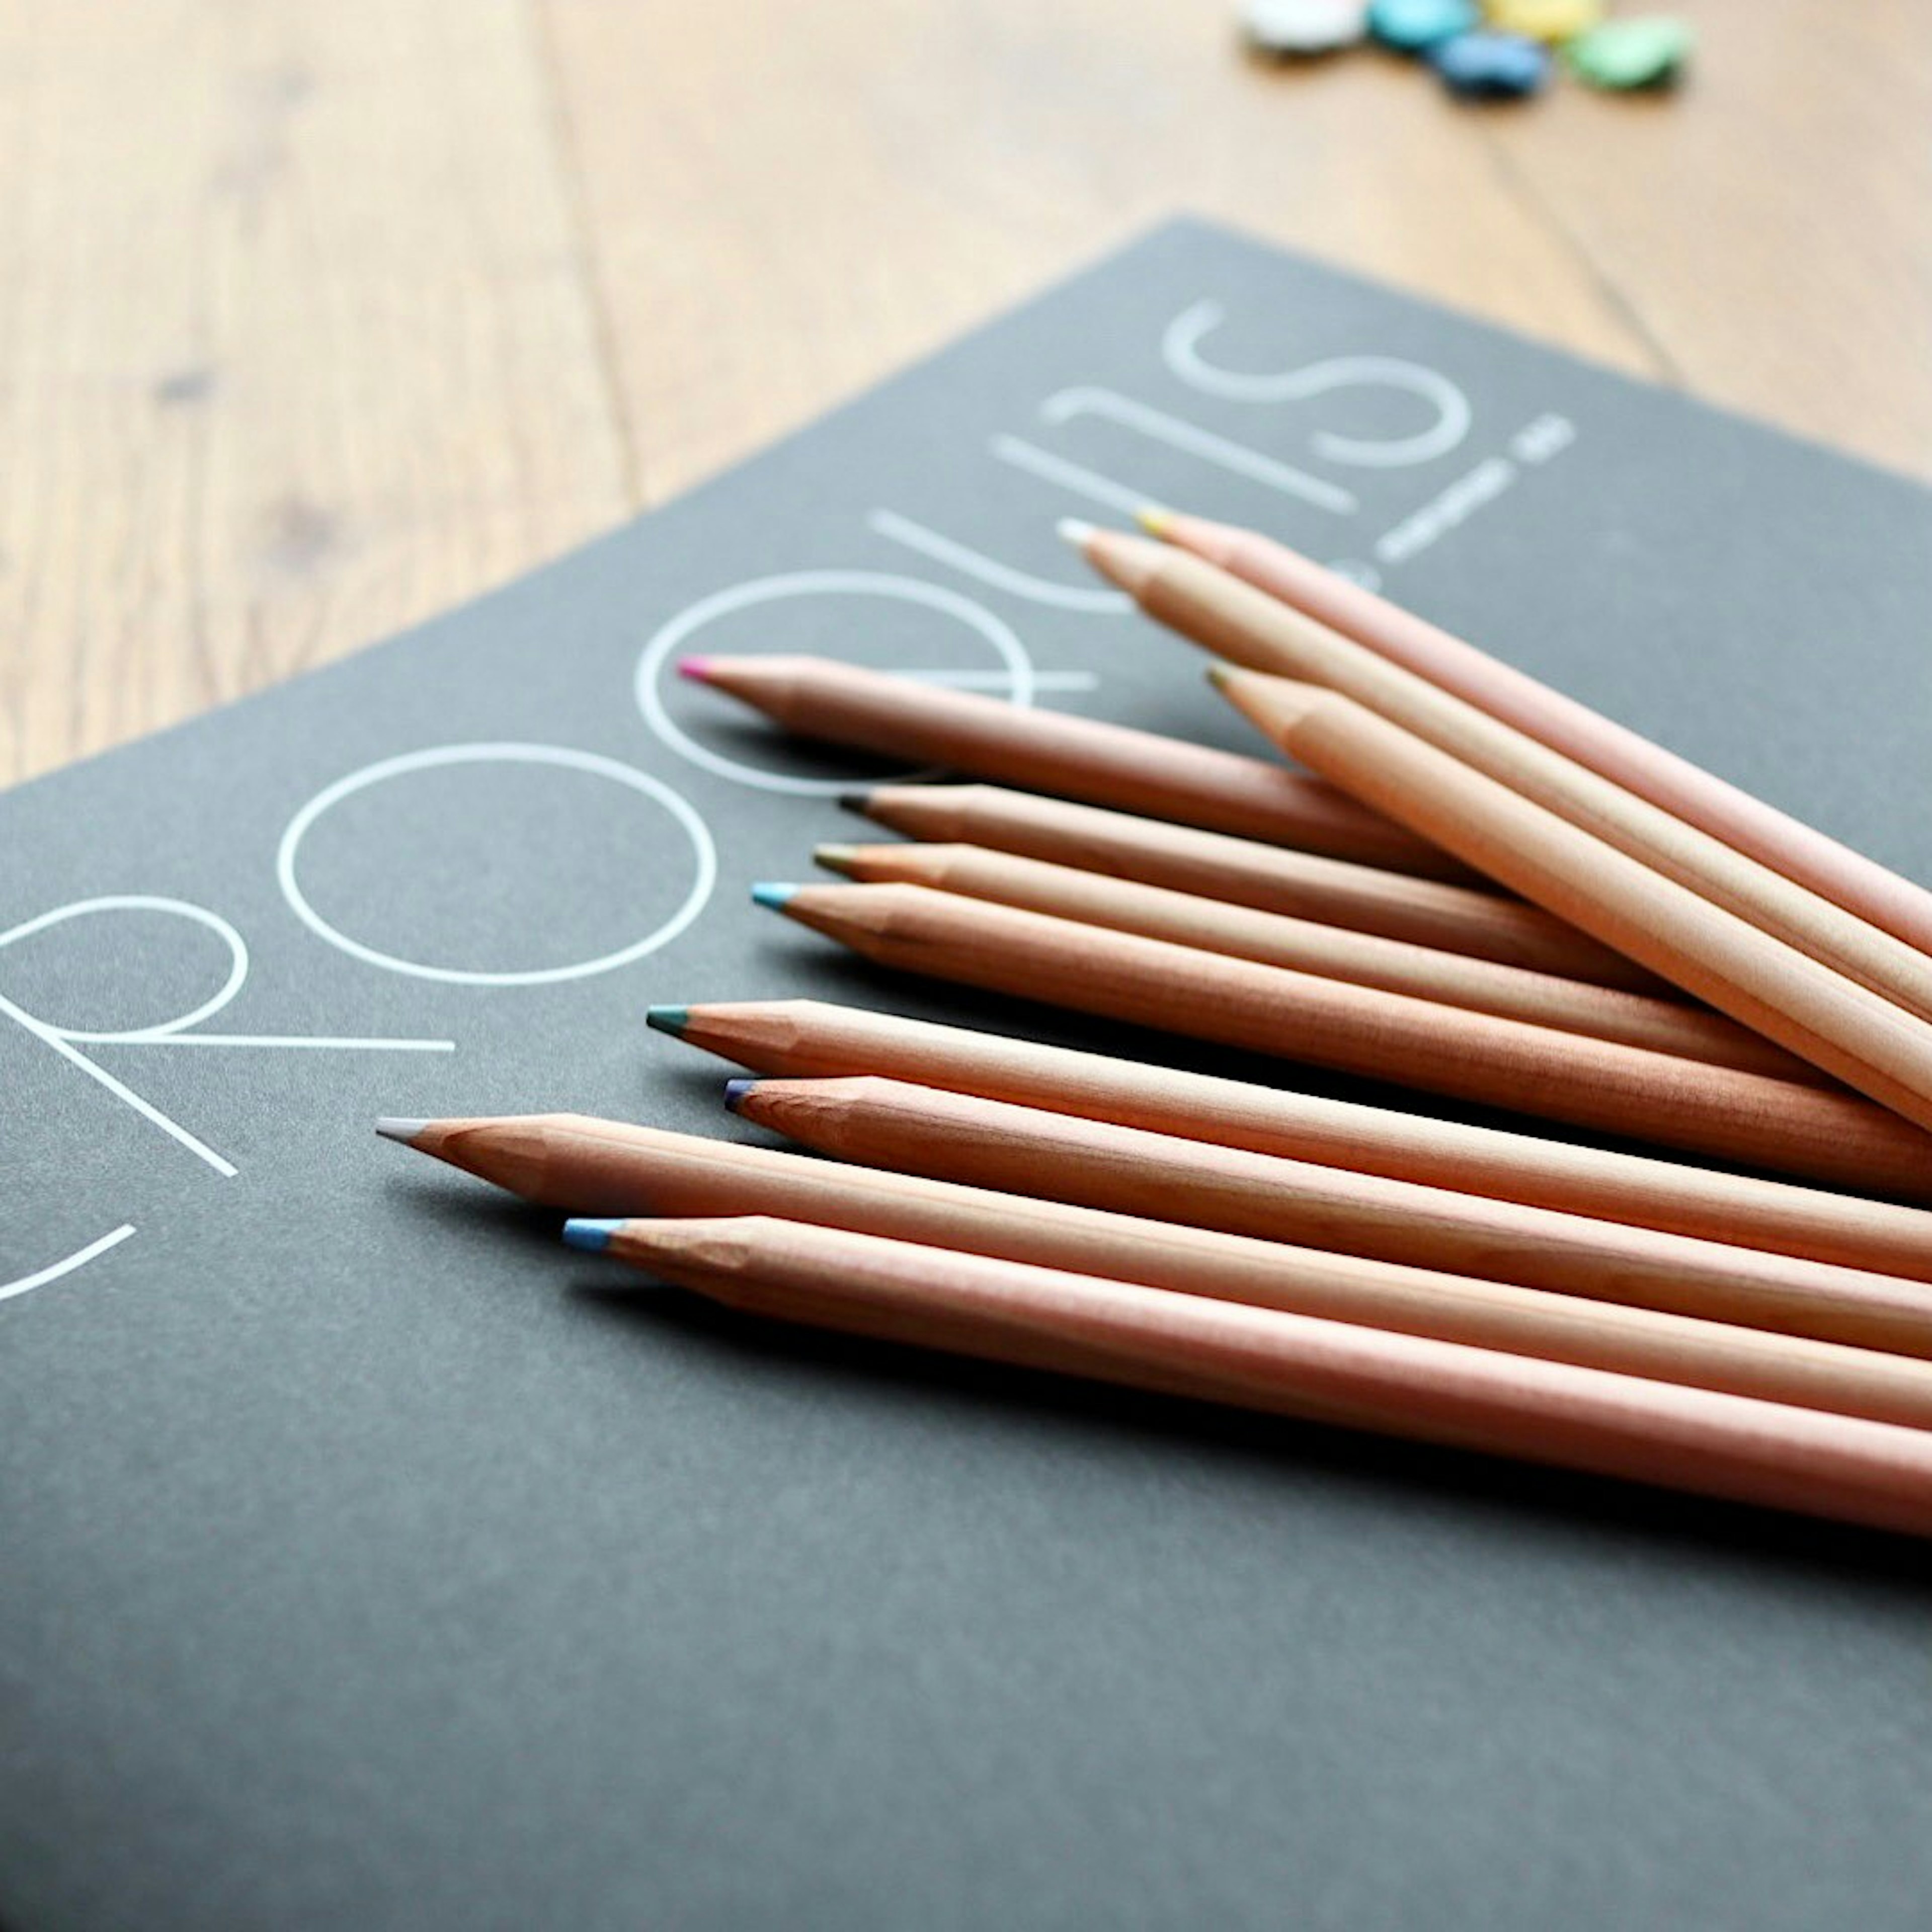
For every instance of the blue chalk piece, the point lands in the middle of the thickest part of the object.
(1491, 66)
(1414, 26)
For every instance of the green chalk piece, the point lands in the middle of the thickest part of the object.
(1648, 51)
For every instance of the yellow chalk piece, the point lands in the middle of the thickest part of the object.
(1544, 19)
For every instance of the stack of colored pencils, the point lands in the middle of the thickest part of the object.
(1682, 966)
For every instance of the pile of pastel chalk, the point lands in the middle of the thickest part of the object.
(1497, 50)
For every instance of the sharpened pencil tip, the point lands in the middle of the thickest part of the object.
(835, 858)
(1077, 531)
(735, 1091)
(672, 1020)
(772, 895)
(391, 1127)
(593, 1237)
(698, 670)
(1155, 520)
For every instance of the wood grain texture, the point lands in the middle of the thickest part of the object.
(295, 342)
(314, 320)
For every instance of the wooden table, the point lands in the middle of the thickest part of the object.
(315, 320)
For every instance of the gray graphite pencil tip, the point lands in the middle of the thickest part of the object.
(735, 1091)
(593, 1237)
(776, 896)
(392, 1128)
(672, 1020)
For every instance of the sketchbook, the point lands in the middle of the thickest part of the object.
(361, 1566)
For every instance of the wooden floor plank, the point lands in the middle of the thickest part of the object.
(1772, 228)
(295, 344)
(787, 202)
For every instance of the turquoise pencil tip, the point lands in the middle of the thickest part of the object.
(672, 1020)
(776, 896)
(593, 1237)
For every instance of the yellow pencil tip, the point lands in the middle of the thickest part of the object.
(1155, 521)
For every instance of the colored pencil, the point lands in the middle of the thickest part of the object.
(1848, 878)
(1246, 627)
(1652, 1097)
(1331, 953)
(807, 1038)
(1243, 871)
(1076, 757)
(607, 1168)
(1842, 1467)
(1871, 1044)
(995, 1145)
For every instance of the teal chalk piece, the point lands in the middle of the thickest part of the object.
(1491, 66)
(1414, 26)
(1648, 50)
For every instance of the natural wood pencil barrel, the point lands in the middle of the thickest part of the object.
(1842, 1467)
(1247, 627)
(1652, 1097)
(1244, 871)
(1077, 757)
(1846, 878)
(1332, 952)
(607, 1168)
(805, 1038)
(1871, 1044)
(994, 1144)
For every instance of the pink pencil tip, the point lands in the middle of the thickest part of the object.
(696, 669)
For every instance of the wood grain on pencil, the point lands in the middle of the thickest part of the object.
(1652, 1097)
(1332, 952)
(815, 1037)
(1842, 1467)
(1870, 1043)
(1077, 757)
(995, 1145)
(1801, 852)
(591, 1167)
(1245, 626)
(1245, 872)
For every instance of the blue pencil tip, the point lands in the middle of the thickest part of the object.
(735, 1091)
(672, 1020)
(766, 893)
(594, 1237)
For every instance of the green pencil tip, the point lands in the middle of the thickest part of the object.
(672, 1020)
(774, 896)
(593, 1237)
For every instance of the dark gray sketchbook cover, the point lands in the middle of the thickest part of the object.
(364, 1566)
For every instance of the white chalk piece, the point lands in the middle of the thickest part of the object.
(1295, 28)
